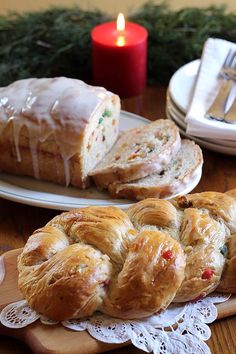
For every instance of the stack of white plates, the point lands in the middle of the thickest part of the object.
(179, 95)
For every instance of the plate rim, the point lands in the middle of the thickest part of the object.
(179, 119)
(173, 78)
(227, 150)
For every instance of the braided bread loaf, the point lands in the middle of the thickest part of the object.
(134, 264)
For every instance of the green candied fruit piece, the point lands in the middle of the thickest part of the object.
(106, 113)
(151, 149)
(100, 120)
(224, 250)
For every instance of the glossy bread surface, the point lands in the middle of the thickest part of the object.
(133, 264)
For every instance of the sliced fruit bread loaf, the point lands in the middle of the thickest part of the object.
(138, 153)
(181, 175)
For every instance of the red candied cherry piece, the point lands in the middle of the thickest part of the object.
(167, 255)
(207, 274)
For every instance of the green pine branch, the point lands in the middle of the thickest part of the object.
(57, 41)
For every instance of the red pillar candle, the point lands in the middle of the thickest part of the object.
(119, 57)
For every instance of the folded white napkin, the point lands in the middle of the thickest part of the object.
(213, 56)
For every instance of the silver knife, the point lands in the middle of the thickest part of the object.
(227, 77)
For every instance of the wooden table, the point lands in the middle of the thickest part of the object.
(17, 221)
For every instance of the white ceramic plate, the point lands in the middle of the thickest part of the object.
(182, 83)
(203, 143)
(27, 190)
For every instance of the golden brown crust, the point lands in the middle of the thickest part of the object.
(41, 246)
(201, 237)
(155, 212)
(108, 229)
(137, 293)
(220, 205)
(68, 285)
(62, 272)
(136, 192)
(133, 264)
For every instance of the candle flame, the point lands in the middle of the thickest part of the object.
(120, 22)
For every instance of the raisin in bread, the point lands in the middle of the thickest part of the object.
(180, 176)
(56, 129)
(138, 153)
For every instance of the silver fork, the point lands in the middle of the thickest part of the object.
(228, 75)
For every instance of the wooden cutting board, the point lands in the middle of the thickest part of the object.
(57, 339)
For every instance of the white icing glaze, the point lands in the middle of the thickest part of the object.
(60, 106)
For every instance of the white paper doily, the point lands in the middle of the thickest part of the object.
(181, 329)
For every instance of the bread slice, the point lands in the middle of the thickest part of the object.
(183, 171)
(138, 153)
